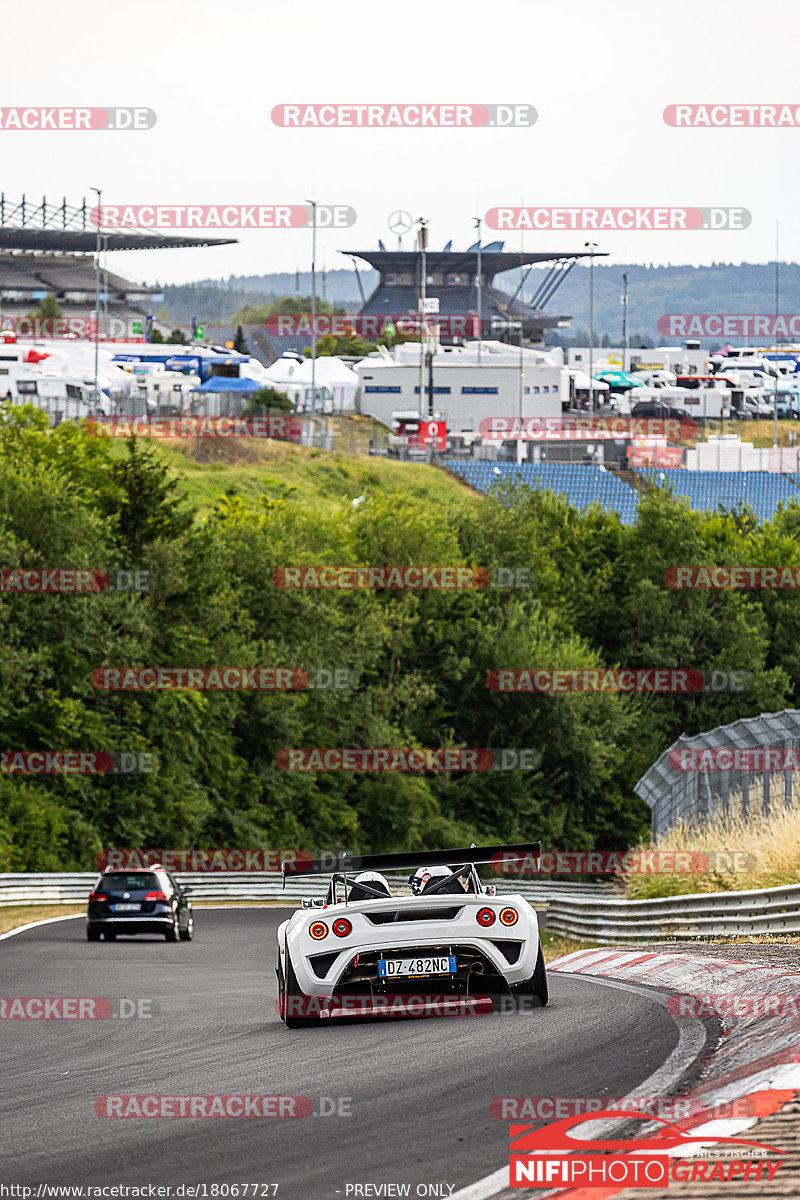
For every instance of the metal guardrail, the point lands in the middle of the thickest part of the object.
(74, 887)
(768, 911)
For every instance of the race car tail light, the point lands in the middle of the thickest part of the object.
(318, 930)
(156, 896)
(509, 916)
(486, 917)
(98, 896)
(341, 927)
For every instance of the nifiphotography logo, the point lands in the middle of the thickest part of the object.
(550, 1157)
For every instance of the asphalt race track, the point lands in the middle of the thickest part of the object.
(418, 1090)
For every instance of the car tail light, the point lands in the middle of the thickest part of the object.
(341, 927)
(318, 930)
(156, 896)
(509, 916)
(98, 896)
(486, 917)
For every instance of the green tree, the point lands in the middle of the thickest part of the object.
(240, 342)
(256, 314)
(178, 338)
(348, 343)
(271, 399)
(48, 309)
(146, 502)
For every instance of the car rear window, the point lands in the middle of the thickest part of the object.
(122, 881)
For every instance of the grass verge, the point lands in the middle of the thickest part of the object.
(743, 851)
(23, 914)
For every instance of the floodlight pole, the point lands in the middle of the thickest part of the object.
(592, 246)
(624, 322)
(313, 204)
(97, 295)
(479, 285)
(422, 242)
(520, 443)
(777, 314)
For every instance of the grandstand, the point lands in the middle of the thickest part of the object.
(581, 485)
(48, 249)
(451, 278)
(707, 490)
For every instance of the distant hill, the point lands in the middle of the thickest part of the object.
(652, 292)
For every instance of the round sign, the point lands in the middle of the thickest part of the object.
(400, 221)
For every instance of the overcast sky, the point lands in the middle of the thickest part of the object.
(598, 74)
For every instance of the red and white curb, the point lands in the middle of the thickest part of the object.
(759, 1058)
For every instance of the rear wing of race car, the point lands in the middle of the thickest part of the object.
(339, 866)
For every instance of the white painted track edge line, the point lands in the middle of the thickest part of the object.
(34, 924)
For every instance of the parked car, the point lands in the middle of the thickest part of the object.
(657, 408)
(787, 409)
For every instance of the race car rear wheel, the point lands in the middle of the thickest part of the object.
(537, 984)
(289, 994)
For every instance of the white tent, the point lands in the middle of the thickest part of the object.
(581, 380)
(330, 372)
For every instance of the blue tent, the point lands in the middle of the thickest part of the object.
(222, 383)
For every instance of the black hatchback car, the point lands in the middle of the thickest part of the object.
(661, 410)
(146, 901)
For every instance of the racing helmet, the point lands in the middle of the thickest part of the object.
(419, 880)
(376, 882)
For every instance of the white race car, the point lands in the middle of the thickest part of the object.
(363, 951)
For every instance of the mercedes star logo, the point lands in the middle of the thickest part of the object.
(400, 221)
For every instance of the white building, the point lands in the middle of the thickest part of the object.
(681, 360)
(465, 391)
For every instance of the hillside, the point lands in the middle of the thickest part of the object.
(319, 480)
(652, 292)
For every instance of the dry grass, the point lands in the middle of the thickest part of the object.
(23, 914)
(772, 841)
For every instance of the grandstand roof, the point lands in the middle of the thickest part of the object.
(492, 262)
(29, 225)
